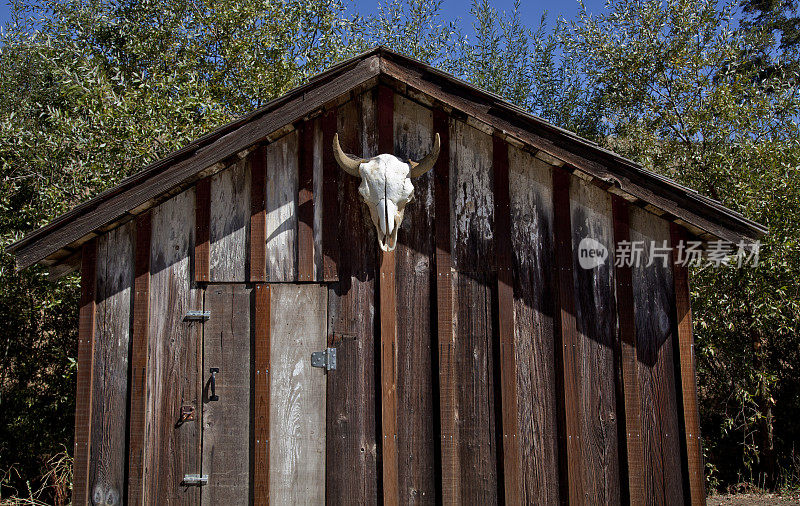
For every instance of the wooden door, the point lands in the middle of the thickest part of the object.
(226, 420)
(298, 323)
(295, 395)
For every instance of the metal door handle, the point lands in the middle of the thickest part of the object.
(213, 385)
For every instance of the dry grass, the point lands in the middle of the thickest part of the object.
(753, 499)
(56, 487)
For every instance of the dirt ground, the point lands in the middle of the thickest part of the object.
(752, 499)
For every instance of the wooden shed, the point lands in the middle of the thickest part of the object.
(477, 363)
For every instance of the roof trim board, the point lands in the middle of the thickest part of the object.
(55, 242)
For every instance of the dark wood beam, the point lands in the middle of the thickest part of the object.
(140, 330)
(261, 385)
(448, 410)
(305, 203)
(567, 337)
(330, 200)
(258, 215)
(388, 320)
(631, 454)
(688, 377)
(83, 395)
(505, 318)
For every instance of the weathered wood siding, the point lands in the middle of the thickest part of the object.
(418, 410)
(231, 210)
(282, 209)
(472, 222)
(416, 438)
(85, 363)
(230, 223)
(595, 355)
(174, 364)
(654, 306)
(387, 323)
(110, 378)
(530, 184)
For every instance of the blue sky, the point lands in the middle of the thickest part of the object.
(531, 12)
(451, 9)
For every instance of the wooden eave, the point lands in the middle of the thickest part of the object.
(57, 242)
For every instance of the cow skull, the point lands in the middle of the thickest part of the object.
(385, 186)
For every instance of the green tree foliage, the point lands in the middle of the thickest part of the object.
(526, 66)
(412, 27)
(780, 16)
(496, 52)
(93, 90)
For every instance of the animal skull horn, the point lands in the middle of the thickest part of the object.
(426, 164)
(386, 186)
(348, 163)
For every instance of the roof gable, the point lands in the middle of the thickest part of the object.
(58, 240)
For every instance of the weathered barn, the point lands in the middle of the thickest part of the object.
(478, 362)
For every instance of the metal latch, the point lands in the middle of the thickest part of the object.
(197, 316)
(195, 479)
(187, 415)
(326, 359)
(213, 384)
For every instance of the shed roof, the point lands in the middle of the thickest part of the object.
(60, 239)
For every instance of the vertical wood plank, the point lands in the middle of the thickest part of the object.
(472, 226)
(512, 480)
(230, 220)
(258, 215)
(388, 321)
(110, 376)
(305, 203)
(596, 355)
(691, 416)
(202, 219)
(317, 199)
(139, 357)
(226, 421)
(282, 209)
(352, 426)
(385, 119)
(531, 199)
(631, 453)
(449, 443)
(567, 339)
(83, 396)
(330, 198)
(653, 292)
(261, 394)
(417, 437)
(298, 324)
(174, 363)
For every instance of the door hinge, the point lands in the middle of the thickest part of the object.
(195, 479)
(326, 359)
(197, 316)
